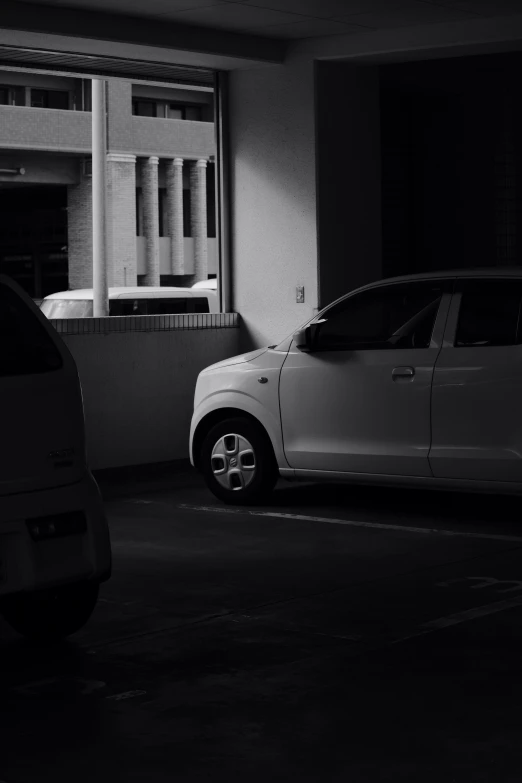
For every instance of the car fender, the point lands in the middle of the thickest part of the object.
(241, 401)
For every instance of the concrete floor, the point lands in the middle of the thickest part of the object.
(238, 646)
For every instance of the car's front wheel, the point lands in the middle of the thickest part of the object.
(52, 613)
(237, 462)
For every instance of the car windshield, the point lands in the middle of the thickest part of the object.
(67, 308)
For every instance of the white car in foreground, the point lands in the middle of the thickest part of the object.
(54, 539)
(414, 380)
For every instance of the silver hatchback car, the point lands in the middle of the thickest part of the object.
(414, 380)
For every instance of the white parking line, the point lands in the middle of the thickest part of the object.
(125, 695)
(461, 617)
(354, 523)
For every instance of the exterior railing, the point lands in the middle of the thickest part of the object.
(146, 323)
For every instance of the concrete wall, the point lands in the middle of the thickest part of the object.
(40, 168)
(45, 129)
(121, 219)
(119, 112)
(348, 177)
(26, 127)
(138, 390)
(172, 138)
(273, 204)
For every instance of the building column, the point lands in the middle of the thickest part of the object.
(79, 233)
(175, 215)
(198, 218)
(149, 180)
(100, 223)
(121, 208)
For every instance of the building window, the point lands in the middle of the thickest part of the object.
(176, 111)
(162, 208)
(139, 212)
(50, 99)
(144, 108)
(147, 107)
(211, 200)
(187, 223)
(86, 95)
(163, 224)
(12, 96)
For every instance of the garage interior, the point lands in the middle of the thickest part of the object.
(418, 168)
(450, 153)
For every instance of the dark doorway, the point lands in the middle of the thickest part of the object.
(451, 144)
(33, 237)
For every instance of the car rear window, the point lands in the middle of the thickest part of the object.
(25, 346)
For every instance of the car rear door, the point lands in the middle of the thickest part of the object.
(477, 384)
(40, 400)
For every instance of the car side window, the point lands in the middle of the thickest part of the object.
(116, 306)
(388, 317)
(132, 307)
(198, 304)
(167, 306)
(489, 313)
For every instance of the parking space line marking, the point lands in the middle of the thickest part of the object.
(461, 617)
(125, 695)
(356, 523)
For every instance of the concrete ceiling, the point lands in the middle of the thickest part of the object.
(297, 19)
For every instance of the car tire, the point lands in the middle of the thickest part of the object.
(53, 613)
(238, 463)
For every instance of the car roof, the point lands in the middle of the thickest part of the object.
(448, 273)
(210, 284)
(488, 272)
(115, 291)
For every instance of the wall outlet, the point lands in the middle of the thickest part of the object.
(299, 294)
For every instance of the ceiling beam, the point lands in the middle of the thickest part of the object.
(102, 26)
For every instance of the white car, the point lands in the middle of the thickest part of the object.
(208, 285)
(414, 380)
(54, 540)
(131, 300)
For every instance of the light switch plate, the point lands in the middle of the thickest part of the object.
(299, 294)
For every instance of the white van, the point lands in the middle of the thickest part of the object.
(208, 285)
(54, 539)
(131, 300)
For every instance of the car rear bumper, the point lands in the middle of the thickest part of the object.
(27, 564)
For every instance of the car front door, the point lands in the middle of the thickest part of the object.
(477, 384)
(359, 400)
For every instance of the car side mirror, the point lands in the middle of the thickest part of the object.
(305, 338)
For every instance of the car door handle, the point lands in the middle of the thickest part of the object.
(403, 373)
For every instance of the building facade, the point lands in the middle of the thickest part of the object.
(160, 183)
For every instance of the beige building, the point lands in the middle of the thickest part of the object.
(160, 172)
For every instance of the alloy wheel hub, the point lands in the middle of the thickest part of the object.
(233, 462)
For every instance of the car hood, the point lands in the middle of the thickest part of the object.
(244, 357)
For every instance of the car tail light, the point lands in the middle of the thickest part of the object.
(58, 525)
